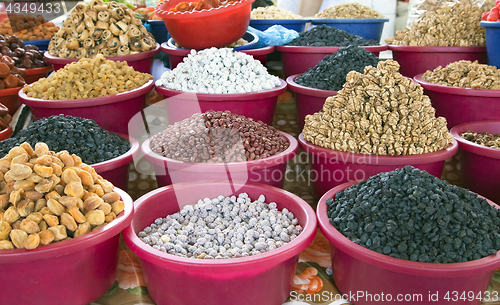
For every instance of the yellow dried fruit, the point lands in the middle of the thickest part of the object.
(29, 226)
(46, 237)
(66, 158)
(45, 160)
(59, 232)
(68, 221)
(5, 229)
(95, 217)
(51, 220)
(32, 241)
(6, 245)
(17, 237)
(52, 195)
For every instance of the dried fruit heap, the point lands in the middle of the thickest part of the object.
(378, 112)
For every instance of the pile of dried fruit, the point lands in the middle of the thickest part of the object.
(349, 10)
(272, 12)
(200, 5)
(378, 112)
(465, 74)
(483, 138)
(27, 27)
(10, 76)
(24, 56)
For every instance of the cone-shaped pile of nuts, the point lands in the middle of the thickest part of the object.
(47, 197)
(97, 28)
(378, 112)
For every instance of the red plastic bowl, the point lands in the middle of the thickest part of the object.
(270, 171)
(418, 59)
(9, 98)
(357, 269)
(215, 27)
(141, 62)
(307, 100)
(6, 133)
(256, 105)
(116, 170)
(32, 75)
(330, 168)
(112, 112)
(480, 164)
(297, 60)
(176, 55)
(462, 105)
(76, 271)
(264, 279)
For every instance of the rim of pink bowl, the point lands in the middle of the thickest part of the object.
(478, 127)
(435, 49)
(307, 90)
(398, 265)
(122, 159)
(271, 257)
(79, 243)
(300, 49)
(134, 57)
(165, 48)
(158, 160)
(437, 156)
(455, 90)
(40, 70)
(89, 102)
(167, 14)
(237, 97)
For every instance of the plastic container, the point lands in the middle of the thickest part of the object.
(6, 133)
(270, 171)
(252, 39)
(158, 29)
(330, 168)
(10, 99)
(359, 270)
(297, 59)
(112, 112)
(141, 62)
(77, 271)
(32, 75)
(368, 28)
(264, 279)
(418, 59)
(480, 165)
(298, 25)
(462, 105)
(203, 29)
(176, 55)
(43, 45)
(116, 170)
(492, 31)
(307, 100)
(256, 105)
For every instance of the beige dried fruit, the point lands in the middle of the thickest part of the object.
(43, 225)
(83, 229)
(59, 232)
(51, 220)
(41, 149)
(69, 175)
(11, 215)
(74, 189)
(19, 171)
(110, 217)
(25, 207)
(6, 245)
(92, 202)
(465, 74)
(36, 217)
(68, 221)
(95, 217)
(118, 207)
(5, 229)
(111, 197)
(32, 241)
(55, 207)
(349, 10)
(46, 237)
(105, 207)
(17, 237)
(67, 201)
(29, 226)
(43, 171)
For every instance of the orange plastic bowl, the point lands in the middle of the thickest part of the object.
(215, 27)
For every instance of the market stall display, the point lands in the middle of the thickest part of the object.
(264, 17)
(32, 30)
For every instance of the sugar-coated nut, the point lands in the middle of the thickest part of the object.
(19, 171)
(6, 245)
(11, 215)
(76, 160)
(32, 241)
(55, 207)
(40, 204)
(110, 217)
(36, 178)
(105, 207)
(74, 189)
(33, 195)
(16, 224)
(66, 158)
(51, 220)
(41, 149)
(83, 229)
(18, 237)
(77, 214)
(86, 178)
(21, 159)
(68, 221)
(95, 217)
(45, 160)
(25, 207)
(67, 201)
(105, 184)
(25, 184)
(97, 189)
(117, 207)
(29, 226)
(45, 211)
(111, 197)
(42, 225)
(27, 148)
(43, 171)
(92, 202)
(52, 195)
(59, 232)
(46, 237)
(35, 216)
(44, 186)
(16, 196)
(56, 169)
(4, 201)
(5, 229)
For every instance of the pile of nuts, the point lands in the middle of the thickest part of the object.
(27, 27)
(97, 28)
(48, 197)
(378, 112)
(222, 228)
(348, 10)
(24, 56)
(418, 8)
(5, 117)
(216, 137)
(87, 78)
(450, 25)
(200, 5)
(465, 74)
(272, 12)
(10, 76)
(483, 138)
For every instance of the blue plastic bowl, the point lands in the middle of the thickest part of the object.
(43, 45)
(158, 29)
(492, 30)
(298, 25)
(252, 39)
(366, 28)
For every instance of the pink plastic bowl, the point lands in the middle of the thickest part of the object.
(203, 29)
(359, 270)
(116, 169)
(269, 171)
(330, 168)
(8, 97)
(264, 279)
(462, 105)
(76, 271)
(297, 60)
(32, 75)
(141, 62)
(480, 164)
(256, 105)
(418, 59)
(176, 55)
(112, 112)
(307, 100)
